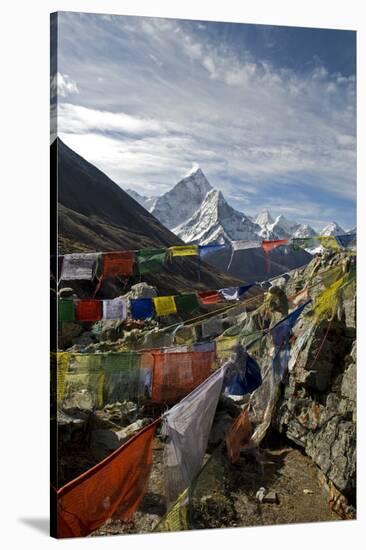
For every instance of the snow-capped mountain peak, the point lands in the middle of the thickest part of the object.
(181, 202)
(302, 231)
(332, 229)
(264, 218)
(216, 221)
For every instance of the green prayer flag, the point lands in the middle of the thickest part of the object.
(66, 311)
(151, 260)
(186, 303)
(305, 242)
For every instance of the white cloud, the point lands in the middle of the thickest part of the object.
(63, 85)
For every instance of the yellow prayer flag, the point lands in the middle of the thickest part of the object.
(165, 305)
(63, 360)
(176, 519)
(329, 242)
(224, 347)
(190, 250)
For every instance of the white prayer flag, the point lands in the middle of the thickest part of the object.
(115, 309)
(79, 267)
(188, 425)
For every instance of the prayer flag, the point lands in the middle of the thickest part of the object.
(117, 263)
(243, 374)
(113, 488)
(329, 242)
(79, 267)
(244, 245)
(212, 327)
(207, 249)
(115, 309)
(164, 305)
(281, 330)
(238, 435)
(66, 310)
(186, 303)
(188, 250)
(142, 308)
(177, 517)
(305, 242)
(346, 240)
(176, 372)
(151, 260)
(210, 297)
(270, 245)
(187, 426)
(88, 310)
(235, 292)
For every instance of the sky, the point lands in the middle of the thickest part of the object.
(267, 112)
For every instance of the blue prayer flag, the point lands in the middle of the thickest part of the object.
(243, 374)
(206, 249)
(346, 240)
(142, 308)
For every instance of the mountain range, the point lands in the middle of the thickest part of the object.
(197, 213)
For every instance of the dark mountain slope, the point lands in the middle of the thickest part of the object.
(95, 214)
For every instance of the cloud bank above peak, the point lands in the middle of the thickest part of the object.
(145, 99)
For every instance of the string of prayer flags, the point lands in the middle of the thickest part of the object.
(113, 488)
(235, 292)
(115, 309)
(88, 310)
(142, 308)
(238, 435)
(188, 425)
(186, 303)
(184, 250)
(66, 310)
(207, 249)
(210, 297)
(118, 263)
(329, 242)
(346, 240)
(165, 305)
(79, 267)
(151, 260)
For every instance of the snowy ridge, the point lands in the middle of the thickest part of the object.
(216, 221)
(198, 213)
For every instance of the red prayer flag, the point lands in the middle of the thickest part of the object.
(211, 297)
(113, 488)
(270, 245)
(118, 263)
(88, 310)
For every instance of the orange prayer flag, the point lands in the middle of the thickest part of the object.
(238, 435)
(118, 263)
(113, 488)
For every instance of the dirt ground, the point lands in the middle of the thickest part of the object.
(225, 495)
